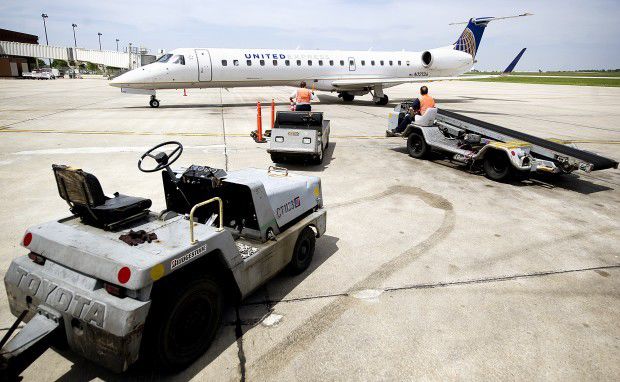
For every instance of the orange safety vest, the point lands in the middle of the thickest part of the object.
(303, 96)
(426, 102)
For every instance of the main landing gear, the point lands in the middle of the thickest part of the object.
(346, 97)
(378, 97)
(154, 102)
(381, 101)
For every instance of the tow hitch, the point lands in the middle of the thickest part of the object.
(27, 345)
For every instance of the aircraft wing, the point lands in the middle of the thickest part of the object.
(356, 83)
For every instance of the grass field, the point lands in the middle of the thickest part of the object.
(558, 78)
(559, 74)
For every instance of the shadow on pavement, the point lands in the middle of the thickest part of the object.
(235, 322)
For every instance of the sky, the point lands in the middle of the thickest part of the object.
(562, 35)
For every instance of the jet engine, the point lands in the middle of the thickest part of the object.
(446, 59)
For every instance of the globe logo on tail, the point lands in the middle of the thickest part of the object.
(467, 42)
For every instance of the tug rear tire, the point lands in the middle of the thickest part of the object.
(303, 252)
(416, 146)
(182, 323)
(275, 158)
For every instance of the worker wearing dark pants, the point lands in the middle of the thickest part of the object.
(409, 118)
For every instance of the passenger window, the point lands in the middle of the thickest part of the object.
(262, 62)
(298, 62)
(391, 62)
(363, 63)
(275, 62)
(407, 63)
(342, 63)
(351, 62)
(320, 62)
(224, 63)
(399, 63)
(309, 62)
(287, 62)
(236, 62)
(249, 62)
(372, 62)
(179, 60)
(381, 62)
(331, 62)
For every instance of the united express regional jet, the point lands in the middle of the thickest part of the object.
(349, 73)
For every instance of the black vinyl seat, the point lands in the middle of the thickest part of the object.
(83, 192)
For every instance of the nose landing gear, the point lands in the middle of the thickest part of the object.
(154, 102)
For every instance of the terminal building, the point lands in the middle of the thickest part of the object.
(14, 66)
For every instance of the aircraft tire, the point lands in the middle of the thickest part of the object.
(382, 101)
(154, 103)
(346, 97)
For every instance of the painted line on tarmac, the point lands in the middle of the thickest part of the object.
(10, 125)
(7, 129)
(181, 133)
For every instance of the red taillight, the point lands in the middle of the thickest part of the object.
(114, 290)
(513, 153)
(38, 259)
(123, 275)
(27, 239)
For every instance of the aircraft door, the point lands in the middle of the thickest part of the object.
(204, 65)
(351, 64)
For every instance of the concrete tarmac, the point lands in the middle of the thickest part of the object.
(426, 272)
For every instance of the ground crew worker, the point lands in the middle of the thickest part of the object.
(302, 97)
(426, 101)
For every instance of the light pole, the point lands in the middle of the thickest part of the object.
(74, 39)
(99, 34)
(117, 44)
(44, 16)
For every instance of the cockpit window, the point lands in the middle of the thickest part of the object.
(180, 59)
(164, 58)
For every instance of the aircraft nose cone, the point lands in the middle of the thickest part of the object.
(130, 78)
(118, 81)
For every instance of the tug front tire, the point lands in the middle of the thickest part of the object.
(182, 323)
(303, 252)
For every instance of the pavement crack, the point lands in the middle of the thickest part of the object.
(493, 279)
(439, 284)
(224, 131)
(240, 352)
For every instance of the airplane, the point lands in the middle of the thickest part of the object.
(349, 73)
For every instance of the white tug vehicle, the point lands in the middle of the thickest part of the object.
(116, 283)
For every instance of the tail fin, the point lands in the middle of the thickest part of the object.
(514, 62)
(469, 41)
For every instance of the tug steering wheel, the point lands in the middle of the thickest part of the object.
(163, 160)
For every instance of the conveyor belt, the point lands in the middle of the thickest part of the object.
(598, 162)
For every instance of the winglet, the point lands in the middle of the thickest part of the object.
(514, 62)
